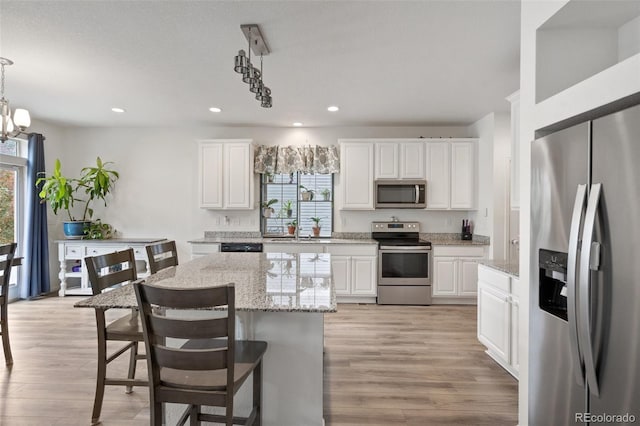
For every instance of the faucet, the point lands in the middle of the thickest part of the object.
(394, 218)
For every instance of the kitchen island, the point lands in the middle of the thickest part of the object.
(281, 298)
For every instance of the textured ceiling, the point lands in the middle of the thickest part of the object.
(395, 63)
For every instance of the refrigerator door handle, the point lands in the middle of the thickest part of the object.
(585, 288)
(572, 265)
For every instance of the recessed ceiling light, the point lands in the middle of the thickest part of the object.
(333, 108)
(118, 110)
(215, 109)
(297, 124)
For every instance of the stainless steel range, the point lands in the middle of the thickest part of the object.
(404, 264)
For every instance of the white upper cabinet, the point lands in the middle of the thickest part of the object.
(356, 174)
(438, 175)
(463, 175)
(399, 160)
(387, 160)
(451, 174)
(226, 174)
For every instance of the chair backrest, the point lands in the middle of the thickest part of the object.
(110, 269)
(7, 252)
(157, 328)
(162, 255)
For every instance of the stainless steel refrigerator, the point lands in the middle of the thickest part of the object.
(584, 335)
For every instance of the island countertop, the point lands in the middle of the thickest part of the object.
(267, 282)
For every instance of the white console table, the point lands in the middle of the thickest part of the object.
(71, 253)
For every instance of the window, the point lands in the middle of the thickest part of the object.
(298, 199)
(12, 198)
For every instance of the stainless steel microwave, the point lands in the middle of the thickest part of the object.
(401, 194)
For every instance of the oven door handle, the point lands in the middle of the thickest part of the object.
(404, 248)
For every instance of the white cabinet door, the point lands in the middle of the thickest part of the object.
(363, 275)
(238, 188)
(412, 160)
(210, 172)
(341, 272)
(468, 277)
(437, 173)
(387, 160)
(463, 175)
(493, 320)
(515, 334)
(444, 276)
(356, 176)
(226, 174)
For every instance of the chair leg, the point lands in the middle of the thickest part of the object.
(193, 417)
(132, 365)
(100, 377)
(8, 358)
(257, 393)
(156, 414)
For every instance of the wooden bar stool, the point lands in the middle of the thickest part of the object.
(210, 367)
(7, 252)
(162, 255)
(105, 271)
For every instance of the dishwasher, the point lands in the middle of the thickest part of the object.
(241, 247)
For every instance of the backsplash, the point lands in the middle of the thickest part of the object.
(232, 234)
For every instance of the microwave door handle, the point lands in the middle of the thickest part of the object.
(417, 193)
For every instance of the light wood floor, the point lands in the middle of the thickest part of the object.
(384, 366)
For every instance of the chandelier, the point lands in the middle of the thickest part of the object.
(21, 120)
(250, 74)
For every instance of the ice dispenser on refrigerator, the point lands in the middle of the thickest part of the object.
(553, 282)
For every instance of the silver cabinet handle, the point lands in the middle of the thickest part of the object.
(585, 288)
(572, 258)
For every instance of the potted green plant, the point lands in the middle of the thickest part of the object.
(63, 193)
(316, 229)
(306, 194)
(291, 227)
(326, 194)
(268, 177)
(267, 210)
(287, 206)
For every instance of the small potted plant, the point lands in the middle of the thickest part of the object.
(62, 193)
(291, 227)
(287, 206)
(316, 229)
(268, 177)
(267, 210)
(306, 194)
(326, 194)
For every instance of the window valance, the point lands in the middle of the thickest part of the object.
(292, 159)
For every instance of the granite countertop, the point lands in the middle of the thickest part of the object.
(120, 240)
(276, 240)
(268, 282)
(502, 266)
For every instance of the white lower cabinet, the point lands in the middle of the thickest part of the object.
(203, 249)
(455, 273)
(498, 317)
(354, 270)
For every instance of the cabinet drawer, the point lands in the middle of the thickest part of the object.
(457, 251)
(97, 251)
(74, 252)
(494, 278)
(353, 250)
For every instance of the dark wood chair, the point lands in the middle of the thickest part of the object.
(210, 367)
(109, 271)
(7, 252)
(162, 255)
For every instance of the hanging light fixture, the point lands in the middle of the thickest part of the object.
(250, 74)
(21, 119)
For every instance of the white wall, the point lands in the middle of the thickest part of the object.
(156, 195)
(494, 149)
